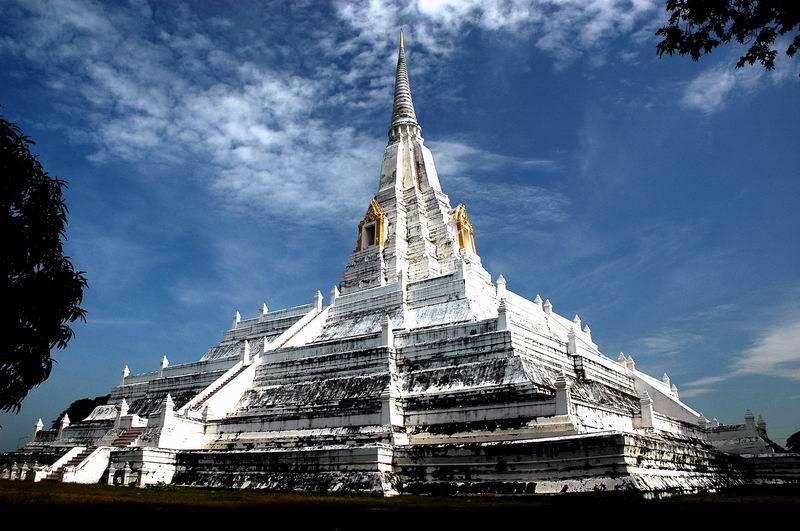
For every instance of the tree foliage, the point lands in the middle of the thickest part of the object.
(80, 409)
(793, 442)
(696, 27)
(40, 291)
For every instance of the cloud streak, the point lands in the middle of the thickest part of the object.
(267, 140)
(713, 89)
(775, 352)
(565, 29)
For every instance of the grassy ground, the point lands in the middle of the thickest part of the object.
(66, 501)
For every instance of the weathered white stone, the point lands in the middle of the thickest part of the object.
(420, 373)
(163, 365)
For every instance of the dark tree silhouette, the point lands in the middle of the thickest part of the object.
(793, 442)
(696, 27)
(80, 409)
(40, 291)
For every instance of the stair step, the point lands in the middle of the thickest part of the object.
(56, 475)
(125, 440)
(196, 407)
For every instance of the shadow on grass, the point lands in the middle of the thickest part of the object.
(329, 511)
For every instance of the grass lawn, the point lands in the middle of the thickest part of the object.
(322, 511)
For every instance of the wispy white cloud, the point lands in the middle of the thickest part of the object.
(499, 205)
(710, 91)
(716, 86)
(263, 138)
(668, 342)
(458, 158)
(708, 380)
(775, 352)
(695, 392)
(565, 29)
(173, 95)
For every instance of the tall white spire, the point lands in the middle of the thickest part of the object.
(404, 118)
(410, 226)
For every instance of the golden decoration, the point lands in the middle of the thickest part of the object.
(374, 214)
(466, 232)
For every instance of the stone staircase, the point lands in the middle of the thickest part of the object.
(129, 438)
(199, 405)
(57, 474)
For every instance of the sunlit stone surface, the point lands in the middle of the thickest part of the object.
(420, 373)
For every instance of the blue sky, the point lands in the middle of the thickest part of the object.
(219, 155)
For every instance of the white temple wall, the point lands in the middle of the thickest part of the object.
(676, 427)
(364, 342)
(477, 413)
(663, 402)
(155, 465)
(597, 418)
(247, 428)
(179, 433)
(90, 470)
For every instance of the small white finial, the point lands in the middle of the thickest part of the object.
(264, 309)
(39, 425)
(548, 307)
(237, 318)
(164, 362)
(577, 321)
(125, 372)
(501, 286)
(318, 300)
(334, 293)
(538, 300)
(587, 330)
(572, 341)
(502, 315)
(621, 358)
(387, 334)
(246, 352)
(665, 379)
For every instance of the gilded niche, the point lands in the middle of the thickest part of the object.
(466, 232)
(371, 229)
